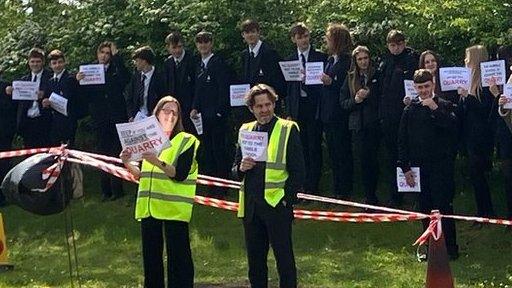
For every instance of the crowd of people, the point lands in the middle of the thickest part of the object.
(359, 106)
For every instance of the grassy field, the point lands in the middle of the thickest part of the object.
(328, 254)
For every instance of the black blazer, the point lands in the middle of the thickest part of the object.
(7, 115)
(366, 113)
(107, 104)
(211, 97)
(265, 69)
(68, 87)
(180, 83)
(156, 91)
(329, 109)
(23, 105)
(314, 91)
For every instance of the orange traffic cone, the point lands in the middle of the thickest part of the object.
(439, 274)
(4, 260)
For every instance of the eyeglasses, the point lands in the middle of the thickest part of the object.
(168, 111)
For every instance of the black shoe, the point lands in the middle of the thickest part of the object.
(453, 256)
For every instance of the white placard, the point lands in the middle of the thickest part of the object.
(507, 92)
(292, 70)
(253, 144)
(198, 123)
(454, 77)
(59, 103)
(24, 90)
(314, 72)
(142, 136)
(402, 184)
(410, 91)
(493, 69)
(237, 94)
(94, 74)
(139, 116)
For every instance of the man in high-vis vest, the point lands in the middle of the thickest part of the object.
(269, 189)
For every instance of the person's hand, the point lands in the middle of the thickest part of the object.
(125, 155)
(40, 94)
(151, 158)
(409, 178)
(495, 90)
(193, 114)
(407, 100)
(503, 100)
(463, 92)
(326, 79)
(46, 103)
(80, 75)
(8, 90)
(430, 103)
(113, 49)
(247, 164)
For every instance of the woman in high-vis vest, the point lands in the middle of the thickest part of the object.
(167, 186)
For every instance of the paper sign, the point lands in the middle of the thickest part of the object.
(314, 72)
(142, 136)
(410, 91)
(493, 69)
(139, 116)
(94, 74)
(59, 103)
(237, 94)
(24, 90)
(198, 123)
(254, 144)
(402, 184)
(507, 92)
(292, 70)
(454, 77)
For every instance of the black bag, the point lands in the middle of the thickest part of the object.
(19, 183)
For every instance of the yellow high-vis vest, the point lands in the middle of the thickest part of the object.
(161, 197)
(275, 169)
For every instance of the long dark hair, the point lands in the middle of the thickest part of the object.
(421, 65)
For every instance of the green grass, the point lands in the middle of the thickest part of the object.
(328, 254)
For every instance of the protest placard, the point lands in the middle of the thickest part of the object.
(142, 136)
(198, 123)
(507, 92)
(237, 94)
(454, 77)
(314, 72)
(493, 70)
(59, 103)
(24, 90)
(402, 184)
(254, 144)
(94, 74)
(410, 91)
(292, 70)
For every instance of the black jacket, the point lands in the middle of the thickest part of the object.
(365, 113)
(314, 91)
(265, 69)
(394, 69)
(211, 97)
(426, 136)
(180, 82)
(23, 105)
(329, 109)
(156, 91)
(7, 115)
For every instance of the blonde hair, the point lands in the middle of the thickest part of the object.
(166, 99)
(474, 56)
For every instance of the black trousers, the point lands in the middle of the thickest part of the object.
(506, 168)
(339, 145)
(270, 226)
(389, 132)
(479, 165)
(311, 138)
(366, 145)
(213, 158)
(180, 268)
(36, 132)
(437, 194)
(5, 164)
(108, 144)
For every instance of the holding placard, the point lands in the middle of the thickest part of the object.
(454, 77)
(314, 72)
(24, 90)
(410, 91)
(59, 103)
(493, 69)
(198, 123)
(142, 136)
(507, 92)
(292, 70)
(94, 74)
(237, 94)
(402, 184)
(254, 145)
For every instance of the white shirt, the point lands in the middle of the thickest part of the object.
(33, 111)
(58, 76)
(306, 56)
(206, 60)
(144, 107)
(179, 59)
(256, 48)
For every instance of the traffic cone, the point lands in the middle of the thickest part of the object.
(439, 274)
(4, 260)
